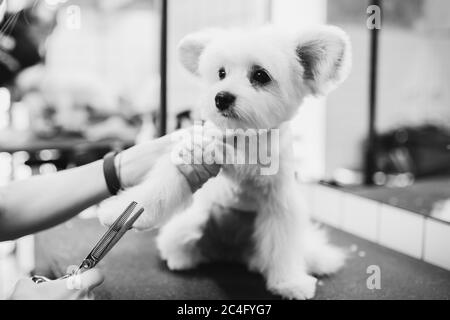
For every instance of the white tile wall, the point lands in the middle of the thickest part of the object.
(401, 230)
(437, 243)
(395, 228)
(360, 216)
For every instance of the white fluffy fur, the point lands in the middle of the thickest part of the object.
(159, 199)
(287, 248)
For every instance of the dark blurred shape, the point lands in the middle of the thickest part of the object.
(420, 151)
(369, 161)
(184, 119)
(163, 67)
(21, 36)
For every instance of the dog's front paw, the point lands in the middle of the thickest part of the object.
(178, 248)
(326, 260)
(299, 288)
(181, 261)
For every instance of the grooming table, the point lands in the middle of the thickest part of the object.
(134, 270)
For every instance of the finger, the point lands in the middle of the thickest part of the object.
(213, 131)
(89, 296)
(186, 156)
(221, 151)
(209, 155)
(213, 169)
(198, 142)
(197, 154)
(191, 176)
(25, 282)
(22, 290)
(91, 278)
(206, 140)
(202, 173)
(168, 142)
(59, 289)
(71, 288)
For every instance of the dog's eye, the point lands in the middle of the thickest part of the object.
(260, 77)
(222, 74)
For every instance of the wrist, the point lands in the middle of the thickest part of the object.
(131, 167)
(111, 172)
(125, 169)
(118, 167)
(133, 164)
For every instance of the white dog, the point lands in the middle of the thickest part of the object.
(254, 79)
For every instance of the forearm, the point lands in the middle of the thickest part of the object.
(134, 163)
(45, 201)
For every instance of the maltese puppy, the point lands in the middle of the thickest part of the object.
(254, 81)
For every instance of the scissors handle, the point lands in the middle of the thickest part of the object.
(115, 232)
(41, 279)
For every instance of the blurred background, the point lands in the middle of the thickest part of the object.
(79, 78)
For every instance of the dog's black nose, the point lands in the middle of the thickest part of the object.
(224, 100)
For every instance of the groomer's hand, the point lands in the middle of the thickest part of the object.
(133, 164)
(196, 159)
(77, 287)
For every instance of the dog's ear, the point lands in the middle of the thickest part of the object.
(192, 46)
(325, 56)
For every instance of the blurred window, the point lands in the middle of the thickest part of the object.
(414, 71)
(347, 107)
(112, 46)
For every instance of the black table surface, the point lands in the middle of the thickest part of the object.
(15, 141)
(134, 270)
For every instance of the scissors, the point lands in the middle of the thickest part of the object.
(115, 232)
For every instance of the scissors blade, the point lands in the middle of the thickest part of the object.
(97, 252)
(126, 227)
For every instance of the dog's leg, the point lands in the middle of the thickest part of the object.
(321, 257)
(162, 193)
(177, 241)
(279, 255)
